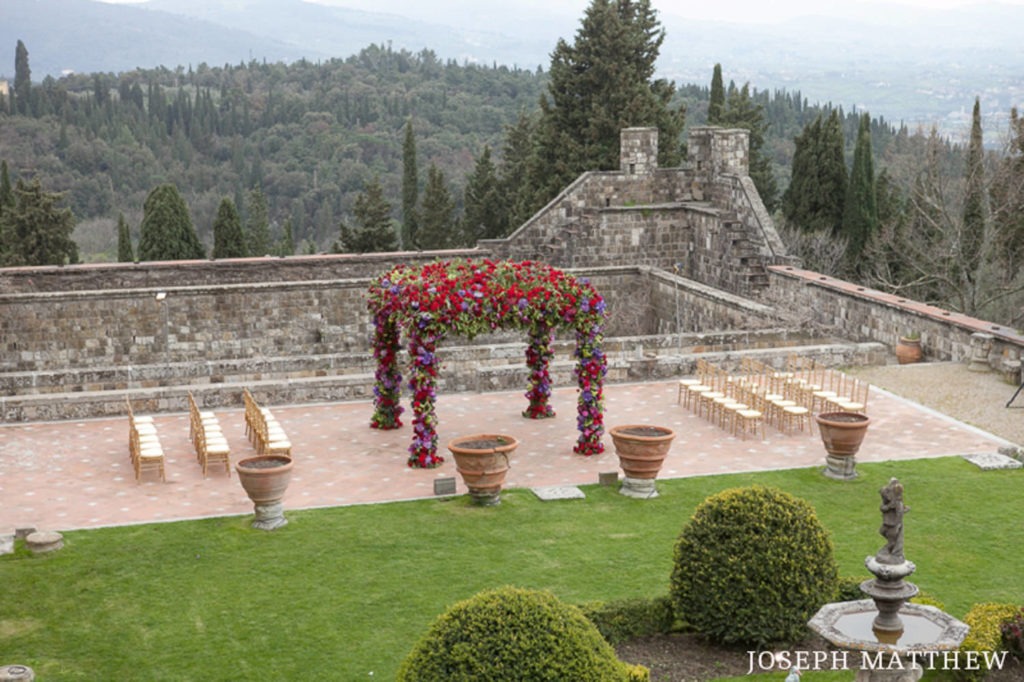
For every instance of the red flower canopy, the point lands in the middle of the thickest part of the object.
(473, 297)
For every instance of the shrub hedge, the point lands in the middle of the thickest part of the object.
(515, 634)
(752, 566)
(623, 619)
(985, 621)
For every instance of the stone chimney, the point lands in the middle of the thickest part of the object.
(638, 150)
(717, 150)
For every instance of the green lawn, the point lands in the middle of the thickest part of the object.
(342, 594)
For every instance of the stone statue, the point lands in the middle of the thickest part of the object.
(893, 510)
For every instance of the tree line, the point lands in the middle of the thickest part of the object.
(329, 155)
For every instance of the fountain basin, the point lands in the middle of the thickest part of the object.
(848, 625)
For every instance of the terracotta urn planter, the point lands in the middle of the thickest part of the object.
(642, 450)
(265, 478)
(842, 433)
(908, 350)
(482, 461)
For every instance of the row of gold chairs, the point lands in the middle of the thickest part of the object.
(210, 444)
(758, 393)
(144, 448)
(263, 430)
(717, 396)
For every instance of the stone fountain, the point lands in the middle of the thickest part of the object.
(891, 639)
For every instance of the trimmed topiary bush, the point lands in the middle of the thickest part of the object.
(622, 619)
(515, 634)
(752, 566)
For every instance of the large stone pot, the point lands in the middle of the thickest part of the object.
(482, 461)
(642, 450)
(265, 478)
(842, 434)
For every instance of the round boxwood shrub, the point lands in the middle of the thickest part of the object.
(515, 634)
(752, 566)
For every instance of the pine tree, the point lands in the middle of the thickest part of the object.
(410, 188)
(600, 84)
(125, 254)
(816, 194)
(35, 231)
(483, 216)
(257, 224)
(22, 81)
(437, 228)
(716, 104)
(374, 230)
(167, 232)
(972, 232)
(860, 209)
(228, 239)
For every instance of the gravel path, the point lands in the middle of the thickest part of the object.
(975, 398)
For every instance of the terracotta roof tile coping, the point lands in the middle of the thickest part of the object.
(894, 300)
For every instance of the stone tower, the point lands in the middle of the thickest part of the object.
(638, 150)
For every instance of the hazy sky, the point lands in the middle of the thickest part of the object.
(725, 10)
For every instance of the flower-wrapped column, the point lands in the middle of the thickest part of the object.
(387, 389)
(591, 366)
(538, 359)
(422, 379)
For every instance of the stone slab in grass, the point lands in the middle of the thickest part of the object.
(559, 492)
(990, 461)
(6, 544)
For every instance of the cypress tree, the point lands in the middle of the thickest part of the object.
(716, 104)
(257, 224)
(410, 188)
(816, 194)
(374, 230)
(6, 193)
(228, 239)
(437, 229)
(286, 246)
(483, 216)
(860, 210)
(972, 233)
(36, 231)
(125, 254)
(513, 175)
(22, 81)
(167, 232)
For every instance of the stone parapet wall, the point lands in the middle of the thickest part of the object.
(865, 314)
(158, 275)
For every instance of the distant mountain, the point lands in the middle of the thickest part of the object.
(911, 65)
(85, 36)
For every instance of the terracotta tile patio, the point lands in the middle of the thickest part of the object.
(70, 475)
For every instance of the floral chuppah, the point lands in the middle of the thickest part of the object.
(474, 297)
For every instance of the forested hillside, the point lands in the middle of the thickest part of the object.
(310, 136)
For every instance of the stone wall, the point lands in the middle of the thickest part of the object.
(863, 314)
(101, 276)
(704, 219)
